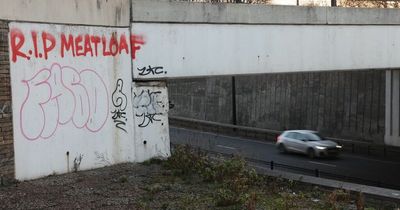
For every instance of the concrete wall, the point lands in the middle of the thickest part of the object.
(349, 105)
(162, 11)
(71, 103)
(195, 50)
(150, 113)
(202, 98)
(87, 12)
(194, 40)
(71, 79)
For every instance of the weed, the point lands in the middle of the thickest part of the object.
(251, 201)
(185, 161)
(338, 196)
(360, 201)
(225, 197)
(123, 179)
(154, 189)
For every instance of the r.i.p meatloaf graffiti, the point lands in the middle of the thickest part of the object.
(82, 45)
(61, 95)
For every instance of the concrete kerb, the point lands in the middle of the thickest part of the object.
(374, 192)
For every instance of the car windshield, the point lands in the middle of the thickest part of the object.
(314, 137)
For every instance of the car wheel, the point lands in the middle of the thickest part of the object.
(311, 153)
(282, 148)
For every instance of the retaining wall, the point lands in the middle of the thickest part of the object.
(348, 105)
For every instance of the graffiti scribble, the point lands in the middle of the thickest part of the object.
(119, 101)
(148, 106)
(62, 95)
(151, 70)
(102, 158)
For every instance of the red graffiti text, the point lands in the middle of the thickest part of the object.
(45, 44)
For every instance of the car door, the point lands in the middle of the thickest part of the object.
(302, 143)
(290, 140)
(298, 143)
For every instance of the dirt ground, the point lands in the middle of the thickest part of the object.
(148, 186)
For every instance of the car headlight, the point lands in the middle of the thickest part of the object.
(319, 147)
(338, 146)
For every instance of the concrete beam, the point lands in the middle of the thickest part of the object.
(221, 13)
(87, 12)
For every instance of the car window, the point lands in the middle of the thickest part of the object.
(297, 136)
(301, 136)
(290, 135)
(313, 137)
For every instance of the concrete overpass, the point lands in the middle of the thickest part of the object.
(202, 40)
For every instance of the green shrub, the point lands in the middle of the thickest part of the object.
(185, 160)
(225, 197)
(232, 175)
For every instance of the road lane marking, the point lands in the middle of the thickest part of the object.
(226, 147)
(324, 164)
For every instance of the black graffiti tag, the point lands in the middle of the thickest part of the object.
(151, 70)
(148, 107)
(119, 101)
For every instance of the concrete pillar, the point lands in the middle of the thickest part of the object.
(150, 113)
(392, 110)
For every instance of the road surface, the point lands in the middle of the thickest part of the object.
(347, 167)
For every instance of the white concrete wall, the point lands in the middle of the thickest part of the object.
(190, 50)
(69, 111)
(150, 109)
(87, 12)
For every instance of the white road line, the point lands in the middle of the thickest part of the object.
(325, 164)
(226, 147)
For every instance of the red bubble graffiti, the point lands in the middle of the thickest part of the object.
(62, 95)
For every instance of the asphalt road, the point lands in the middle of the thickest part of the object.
(347, 167)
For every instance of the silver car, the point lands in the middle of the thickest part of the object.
(307, 142)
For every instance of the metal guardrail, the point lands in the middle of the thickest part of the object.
(352, 146)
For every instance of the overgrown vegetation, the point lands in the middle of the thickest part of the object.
(231, 184)
(234, 181)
